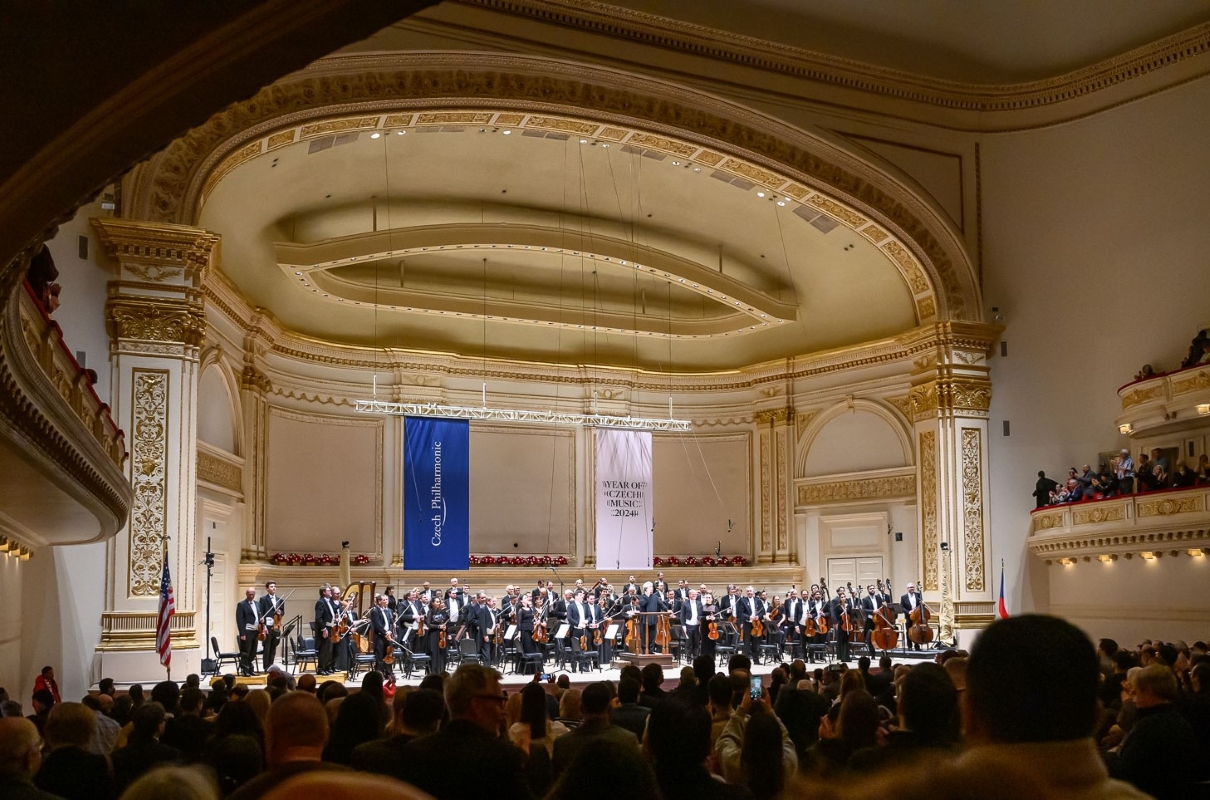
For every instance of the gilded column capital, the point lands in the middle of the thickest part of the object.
(254, 380)
(140, 318)
(952, 395)
(157, 252)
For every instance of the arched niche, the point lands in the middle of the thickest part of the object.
(854, 437)
(218, 409)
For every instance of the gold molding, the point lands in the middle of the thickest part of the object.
(157, 251)
(213, 468)
(128, 631)
(1191, 384)
(766, 492)
(972, 508)
(1170, 505)
(965, 396)
(773, 416)
(149, 469)
(928, 508)
(155, 320)
(1091, 516)
(782, 445)
(894, 487)
(1142, 395)
(842, 73)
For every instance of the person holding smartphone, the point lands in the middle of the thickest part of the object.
(755, 717)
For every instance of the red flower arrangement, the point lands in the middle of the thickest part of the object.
(321, 559)
(708, 561)
(692, 561)
(657, 562)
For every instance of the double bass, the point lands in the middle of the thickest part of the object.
(857, 635)
(663, 632)
(919, 632)
(886, 635)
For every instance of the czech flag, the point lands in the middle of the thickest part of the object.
(1001, 609)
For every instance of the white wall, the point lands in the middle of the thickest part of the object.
(1095, 248)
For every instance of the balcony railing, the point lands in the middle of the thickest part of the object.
(1170, 523)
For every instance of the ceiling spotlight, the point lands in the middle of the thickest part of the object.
(583, 141)
(697, 169)
(506, 133)
(760, 194)
(400, 133)
(298, 273)
(604, 145)
(375, 135)
(676, 163)
(781, 202)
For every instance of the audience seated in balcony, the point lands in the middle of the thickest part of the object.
(1199, 351)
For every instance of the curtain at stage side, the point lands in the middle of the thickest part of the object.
(436, 494)
(624, 499)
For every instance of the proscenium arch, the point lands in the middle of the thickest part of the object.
(170, 186)
(888, 415)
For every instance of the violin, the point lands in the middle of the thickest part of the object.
(758, 627)
(441, 637)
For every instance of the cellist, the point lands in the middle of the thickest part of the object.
(910, 602)
(842, 608)
(870, 604)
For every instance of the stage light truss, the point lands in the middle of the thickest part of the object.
(517, 415)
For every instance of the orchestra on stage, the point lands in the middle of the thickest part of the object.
(582, 627)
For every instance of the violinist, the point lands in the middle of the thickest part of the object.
(710, 616)
(579, 618)
(601, 619)
(410, 613)
(691, 614)
(247, 619)
(523, 614)
(382, 622)
(481, 621)
(426, 596)
(660, 585)
(272, 608)
(842, 616)
(910, 602)
(436, 621)
(342, 646)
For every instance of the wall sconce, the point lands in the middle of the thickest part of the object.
(1147, 555)
(1107, 559)
(1204, 409)
(24, 556)
(1198, 552)
(1067, 562)
(1125, 429)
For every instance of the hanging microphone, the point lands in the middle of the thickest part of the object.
(718, 550)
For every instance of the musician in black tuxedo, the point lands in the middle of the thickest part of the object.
(382, 621)
(325, 618)
(748, 608)
(727, 605)
(455, 607)
(479, 620)
(818, 609)
(909, 603)
(651, 602)
(272, 607)
(600, 623)
(392, 600)
(842, 608)
(660, 585)
(247, 615)
(791, 619)
(869, 605)
(631, 587)
(426, 596)
(558, 612)
(410, 611)
(577, 614)
(524, 615)
(692, 614)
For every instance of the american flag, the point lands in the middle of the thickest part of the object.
(163, 633)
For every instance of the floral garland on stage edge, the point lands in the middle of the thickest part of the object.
(317, 560)
(561, 561)
(519, 561)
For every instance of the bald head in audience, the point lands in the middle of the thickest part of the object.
(20, 748)
(296, 729)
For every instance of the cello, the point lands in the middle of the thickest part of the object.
(821, 622)
(920, 632)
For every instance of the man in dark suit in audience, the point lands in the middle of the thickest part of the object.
(486, 766)
(628, 713)
(593, 731)
(419, 714)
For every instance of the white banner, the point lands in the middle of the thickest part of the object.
(624, 499)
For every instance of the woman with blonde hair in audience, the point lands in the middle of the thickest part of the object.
(259, 701)
(173, 783)
(569, 708)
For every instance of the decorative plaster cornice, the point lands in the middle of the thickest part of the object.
(857, 490)
(662, 32)
(170, 186)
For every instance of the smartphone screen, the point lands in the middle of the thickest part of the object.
(755, 689)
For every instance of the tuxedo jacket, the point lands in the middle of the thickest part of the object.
(382, 621)
(325, 615)
(683, 613)
(575, 618)
(266, 609)
(793, 612)
(904, 603)
(246, 614)
(747, 608)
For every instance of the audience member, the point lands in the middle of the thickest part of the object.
(678, 745)
(143, 749)
(46, 680)
(20, 758)
(417, 713)
(69, 770)
(533, 724)
(1031, 698)
(475, 702)
(928, 720)
(1160, 754)
(594, 730)
(105, 731)
(174, 783)
(628, 713)
(734, 756)
(187, 731)
(296, 733)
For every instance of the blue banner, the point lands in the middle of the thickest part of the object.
(436, 493)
